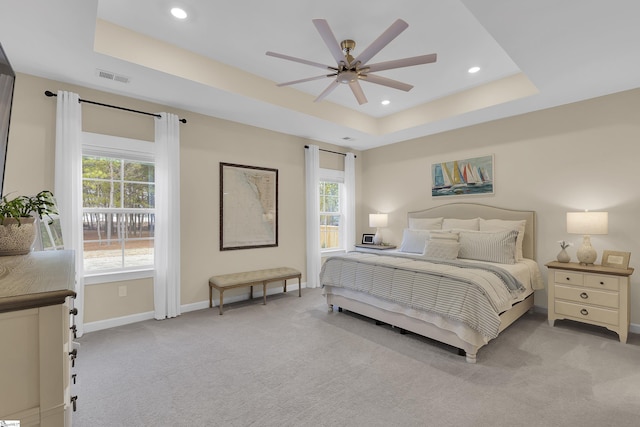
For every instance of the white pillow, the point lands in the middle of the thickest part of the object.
(425, 223)
(502, 224)
(413, 241)
(443, 235)
(442, 249)
(465, 224)
(488, 246)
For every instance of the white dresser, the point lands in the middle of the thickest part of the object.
(36, 355)
(590, 294)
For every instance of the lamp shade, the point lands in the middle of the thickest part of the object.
(378, 220)
(587, 222)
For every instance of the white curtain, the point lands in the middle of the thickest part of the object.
(166, 286)
(312, 175)
(68, 186)
(350, 186)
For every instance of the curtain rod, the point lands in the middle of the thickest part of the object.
(50, 94)
(329, 151)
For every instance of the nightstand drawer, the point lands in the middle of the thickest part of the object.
(587, 312)
(568, 277)
(588, 296)
(601, 282)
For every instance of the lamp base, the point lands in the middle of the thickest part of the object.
(586, 254)
(377, 239)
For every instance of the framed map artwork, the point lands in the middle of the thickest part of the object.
(248, 207)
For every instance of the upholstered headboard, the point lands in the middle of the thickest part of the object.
(473, 210)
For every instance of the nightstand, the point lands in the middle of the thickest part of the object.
(590, 294)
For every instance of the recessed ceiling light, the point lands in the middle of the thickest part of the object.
(385, 102)
(473, 70)
(178, 13)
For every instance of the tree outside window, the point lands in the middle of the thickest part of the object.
(118, 198)
(331, 217)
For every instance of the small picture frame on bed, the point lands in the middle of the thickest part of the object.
(616, 259)
(367, 239)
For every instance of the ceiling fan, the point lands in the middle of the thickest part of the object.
(350, 70)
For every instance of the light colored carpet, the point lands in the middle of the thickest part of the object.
(291, 363)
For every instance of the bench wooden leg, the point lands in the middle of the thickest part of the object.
(285, 285)
(221, 301)
(299, 286)
(210, 296)
(251, 293)
(264, 293)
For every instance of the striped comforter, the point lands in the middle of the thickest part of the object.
(472, 295)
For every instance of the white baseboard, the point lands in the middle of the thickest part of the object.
(185, 308)
(117, 321)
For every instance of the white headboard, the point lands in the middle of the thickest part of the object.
(474, 210)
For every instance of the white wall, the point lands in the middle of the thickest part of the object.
(575, 157)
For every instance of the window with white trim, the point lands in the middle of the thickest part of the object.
(118, 207)
(332, 205)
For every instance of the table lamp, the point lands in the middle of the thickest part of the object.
(378, 220)
(587, 223)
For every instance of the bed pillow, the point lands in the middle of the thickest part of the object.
(413, 241)
(444, 235)
(442, 249)
(502, 224)
(465, 224)
(425, 223)
(499, 247)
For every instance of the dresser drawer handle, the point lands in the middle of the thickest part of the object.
(584, 312)
(584, 295)
(568, 278)
(602, 283)
(73, 312)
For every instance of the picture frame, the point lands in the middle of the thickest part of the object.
(463, 177)
(616, 259)
(248, 207)
(367, 239)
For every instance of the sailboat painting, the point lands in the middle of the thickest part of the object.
(462, 177)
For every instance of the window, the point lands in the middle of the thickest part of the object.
(331, 210)
(118, 208)
(118, 213)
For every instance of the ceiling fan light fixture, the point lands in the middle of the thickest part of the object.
(473, 70)
(385, 102)
(347, 77)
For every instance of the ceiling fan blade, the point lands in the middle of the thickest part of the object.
(400, 63)
(386, 82)
(378, 44)
(334, 84)
(306, 80)
(302, 61)
(329, 39)
(357, 92)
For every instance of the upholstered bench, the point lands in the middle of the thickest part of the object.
(251, 278)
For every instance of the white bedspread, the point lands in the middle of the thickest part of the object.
(471, 296)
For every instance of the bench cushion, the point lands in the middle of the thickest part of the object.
(256, 276)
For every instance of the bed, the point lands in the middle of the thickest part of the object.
(463, 273)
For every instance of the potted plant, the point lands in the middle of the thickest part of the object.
(17, 221)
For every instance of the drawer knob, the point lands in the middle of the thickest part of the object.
(602, 283)
(73, 311)
(568, 278)
(584, 312)
(584, 295)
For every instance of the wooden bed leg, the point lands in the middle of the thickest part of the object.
(471, 358)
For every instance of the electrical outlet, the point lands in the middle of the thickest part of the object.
(122, 291)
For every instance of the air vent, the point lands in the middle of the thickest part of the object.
(109, 75)
(348, 138)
